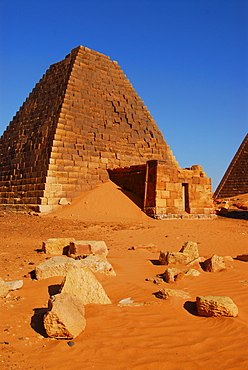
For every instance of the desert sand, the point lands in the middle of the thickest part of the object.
(161, 334)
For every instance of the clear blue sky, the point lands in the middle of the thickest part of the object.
(187, 59)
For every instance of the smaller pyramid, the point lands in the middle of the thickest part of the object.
(235, 180)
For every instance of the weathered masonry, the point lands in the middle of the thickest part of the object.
(83, 119)
(168, 192)
(235, 179)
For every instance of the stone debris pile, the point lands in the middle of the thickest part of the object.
(189, 255)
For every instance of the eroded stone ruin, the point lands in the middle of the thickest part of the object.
(82, 124)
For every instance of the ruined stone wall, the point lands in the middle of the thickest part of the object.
(183, 191)
(167, 190)
(235, 180)
(130, 178)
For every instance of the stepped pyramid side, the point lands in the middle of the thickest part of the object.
(235, 180)
(26, 145)
(81, 119)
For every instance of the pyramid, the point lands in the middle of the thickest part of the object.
(235, 179)
(82, 119)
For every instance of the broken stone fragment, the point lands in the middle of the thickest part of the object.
(191, 249)
(163, 257)
(98, 264)
(64, 202)
(57, 245)
(173, 258)
(6, 286)
(156, 280)
(86, 247)
(55, 266)
(149, 247)
(216, 306)
(177, 258)
(214, 264)
(243, 257)
(4, 289)
(192, 272)
(173, 274)
(166, 293)
(65, 318)
(83, 284)
(14, 285)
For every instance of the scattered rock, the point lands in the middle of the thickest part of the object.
(163, 257)
(149, 247)
(57, 245)
(191, 249)
(243, 257)
(98, 264)
(70, 343)
(177, 258)
(55, 266)
(166, 293)
(156, 280)
(65, 318)
(173, 274)
(128, 302)
(83, 284)
(4, 289)
(192, 272)
(86, 247)
(199, 259)
(6, 286)
(214, 264)
(216, 306)
(64, 202)
(14, 285)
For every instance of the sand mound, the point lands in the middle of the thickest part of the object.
(107, 202)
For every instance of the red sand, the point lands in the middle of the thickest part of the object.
(160, 335)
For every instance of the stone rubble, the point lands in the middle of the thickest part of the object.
(216, 306)
(214, 264)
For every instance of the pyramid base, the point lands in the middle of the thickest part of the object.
(38, 208)
(185, 216)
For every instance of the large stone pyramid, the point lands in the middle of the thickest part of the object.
(235, 180)
(82, 118)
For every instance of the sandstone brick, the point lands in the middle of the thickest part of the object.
(57, 245)
(86, 247)
(82, 283)
(65, 317)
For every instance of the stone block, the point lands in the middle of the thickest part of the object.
(214, 264)
(83, 284)
(191, 249)
(86, 247)
(177, 258)
(57, 245)
(55, 266)
(65, 318)
(216, 306)
(98, 264)
(166, 293)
